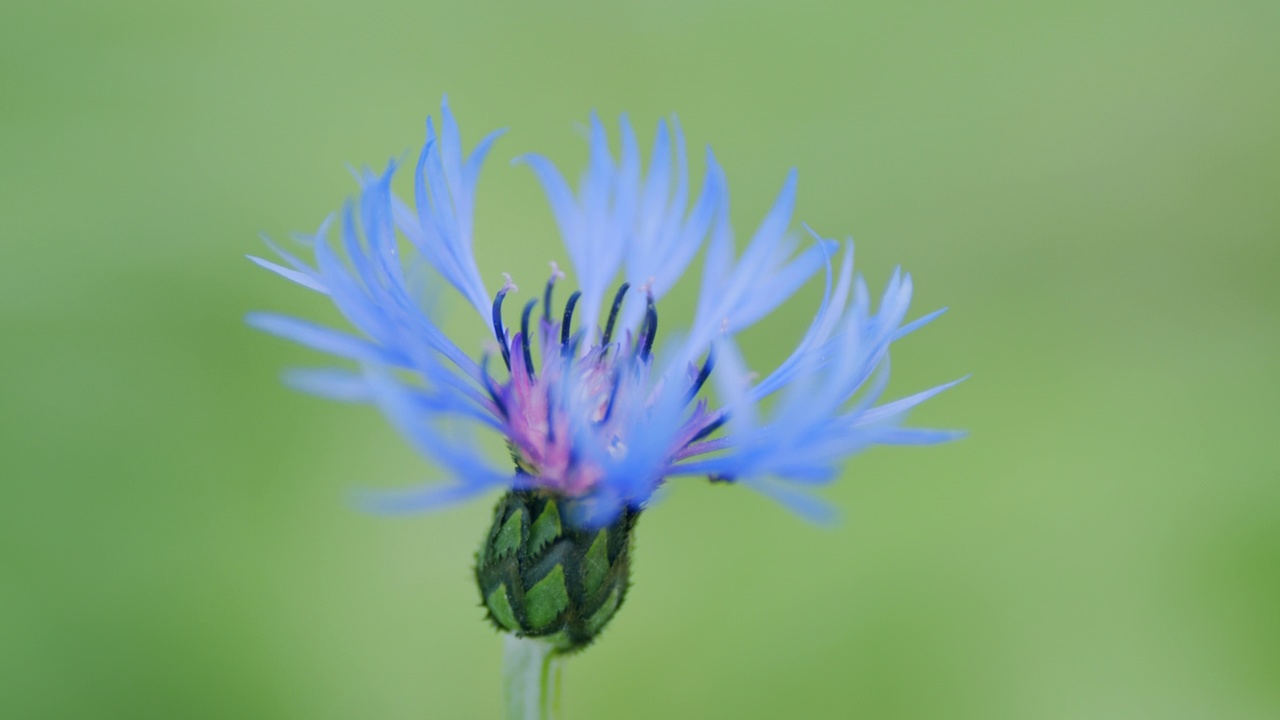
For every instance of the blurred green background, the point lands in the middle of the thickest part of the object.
(1092, 188)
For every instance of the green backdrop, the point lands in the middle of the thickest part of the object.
(1091, 187)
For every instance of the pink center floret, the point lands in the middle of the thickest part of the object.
(604, 389)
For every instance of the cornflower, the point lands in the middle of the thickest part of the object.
(596, 412)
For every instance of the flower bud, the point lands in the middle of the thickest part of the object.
(541, 576)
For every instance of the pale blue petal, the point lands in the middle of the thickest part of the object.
(451, 151)
(732, 381)
(471, 172)
(807, 506)
(915, 436)
(783, 285)
(563, 205)
(329, 383)
(424, 499)
(321, 338)
(688, 239)
(918, 323)
(775, 223)
(289, 257)
(461, 459)
(302, 279)
(897, 407)
(653, 205)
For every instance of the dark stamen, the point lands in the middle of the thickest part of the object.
(568, 316)
(712, 427)
(613, 313)
(498, 330)
(703, 374)
(524, 332)
(649, 329)
(491, 387)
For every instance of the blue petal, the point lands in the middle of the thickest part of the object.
(775, 223)
(559, 195)
(450, 151)
(321, 338)
(288, 257)
(471, 172)
(685, 241)
(716, 263)
(408, 416)
(732, 380)
(915, 436)
(424, 499)
(813, 352)
(918, 323)
(444, 195)
(783, 285)
(897, 407)
(807, 506)
(302, 279)
(653, 203)
(330, 383)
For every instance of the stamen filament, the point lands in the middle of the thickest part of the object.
(499, 331)
(613, 313)
(649, 330)
(707, 366)
(546, 294)
(524, 333)
(568, 316)
(711, 427)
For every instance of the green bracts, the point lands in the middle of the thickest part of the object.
(541, 577)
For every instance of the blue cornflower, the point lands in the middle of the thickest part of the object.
(602, 414)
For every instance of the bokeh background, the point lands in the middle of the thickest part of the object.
(1093, 188)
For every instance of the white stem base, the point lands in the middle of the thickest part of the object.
(530, 679)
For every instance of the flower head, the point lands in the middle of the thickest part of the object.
(595, 404)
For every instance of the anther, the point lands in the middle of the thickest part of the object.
(711, 427)
(546, 295)
(613, 313)
(707, 366)
(649, 329)
(568, 316)
(499, 331)
(525, 341)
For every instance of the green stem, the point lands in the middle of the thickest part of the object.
(530, 679)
